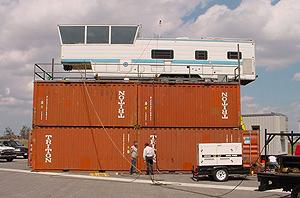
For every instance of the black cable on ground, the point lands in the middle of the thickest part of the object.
(188, 191)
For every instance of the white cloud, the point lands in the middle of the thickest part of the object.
(10, 101)
(274, 28)
(297, 76)
(249, 106)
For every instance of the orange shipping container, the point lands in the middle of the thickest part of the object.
(251, 148)
(68, 104)
(136, 104)
(189, 105)
(75, 148)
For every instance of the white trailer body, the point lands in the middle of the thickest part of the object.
(224, 154)
(124, 54)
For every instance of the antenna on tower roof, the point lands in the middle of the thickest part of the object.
(159, 27)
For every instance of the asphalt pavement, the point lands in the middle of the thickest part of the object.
(17, 181)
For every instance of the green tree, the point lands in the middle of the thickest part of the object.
(24, 132)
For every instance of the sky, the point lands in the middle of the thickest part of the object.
(28, 35)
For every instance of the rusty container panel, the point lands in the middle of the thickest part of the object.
(176, 148)
(79, 104)
(189, 105)
(81, 148)
(251, 148)
(141, 104)
(76, 148)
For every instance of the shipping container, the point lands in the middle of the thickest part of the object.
(69, 104)
(274, 123)
(83, 148)
(136, 104)
(251, 148)
(184, 105)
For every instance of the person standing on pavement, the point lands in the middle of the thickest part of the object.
(148, 155)
(134, 154)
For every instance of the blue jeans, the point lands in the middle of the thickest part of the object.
(133, 166)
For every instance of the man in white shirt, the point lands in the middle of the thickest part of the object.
(134, 154)
(148, 155)
(273, 162)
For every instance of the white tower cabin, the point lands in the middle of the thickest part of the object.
(117, 52)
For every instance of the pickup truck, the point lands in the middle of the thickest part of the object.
(286, 177)
(20, 149)
(7, 152)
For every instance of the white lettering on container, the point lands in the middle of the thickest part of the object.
(150, 108)
(48, 150)
(46, 111)
(121, 110)
(42, 107)
(224, 105)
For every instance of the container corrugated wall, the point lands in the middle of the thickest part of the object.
(195, 105)
(68, 104)
(75, 148)
(136, 104)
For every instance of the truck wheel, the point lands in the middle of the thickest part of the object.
(220, 175)
(296, 192)
(9, 159)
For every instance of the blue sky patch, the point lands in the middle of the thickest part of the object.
(202, 8)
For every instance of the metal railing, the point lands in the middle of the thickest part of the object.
(55, 71)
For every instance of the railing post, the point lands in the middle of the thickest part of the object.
(52, 69)
(34, 72)
(84, 71)
(266, 145)
(239, 62)
(292, 145)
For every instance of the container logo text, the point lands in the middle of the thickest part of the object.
(224, 105)
(48, 150)
(121, 110)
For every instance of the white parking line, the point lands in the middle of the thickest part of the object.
(141, 181)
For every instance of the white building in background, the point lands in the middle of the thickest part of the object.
(273, 122)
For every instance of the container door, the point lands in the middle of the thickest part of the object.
(251, 148)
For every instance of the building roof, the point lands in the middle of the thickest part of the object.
(264, 114)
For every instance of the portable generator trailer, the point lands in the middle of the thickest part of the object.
(219, 160)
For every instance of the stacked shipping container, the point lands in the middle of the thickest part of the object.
(91, 125)
(131, 104)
